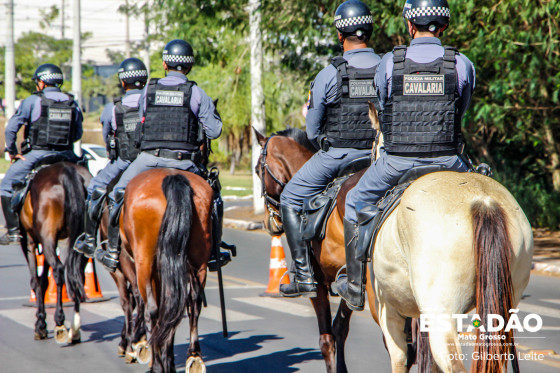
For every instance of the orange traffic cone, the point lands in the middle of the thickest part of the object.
(50, 296)
(91, 285)
(278, 268)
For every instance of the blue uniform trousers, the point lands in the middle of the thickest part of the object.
(20, 168)
(316, 174)
(146, 161)
(385, 173)
(108, 174)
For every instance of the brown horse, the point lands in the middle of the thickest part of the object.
(53, 210)
(166, 227)
(283, 154)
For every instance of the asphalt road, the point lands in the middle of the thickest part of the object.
(266, 334)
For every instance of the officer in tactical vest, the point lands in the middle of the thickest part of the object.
(424, 90)
(176, 114)
(337, 123)
(53, 122)
(119, 120)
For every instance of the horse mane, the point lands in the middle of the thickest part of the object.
(298, 136)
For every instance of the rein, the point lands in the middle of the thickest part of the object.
(272, 205)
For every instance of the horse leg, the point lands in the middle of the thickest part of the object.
(37, 283)
(124, 297)
(194, 363)
(49, 249)
(393, 325)
(444, 343)
(327, 342)
(341, 327)
(74, 335)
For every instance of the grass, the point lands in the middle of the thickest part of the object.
(4, 165)
(238, 180)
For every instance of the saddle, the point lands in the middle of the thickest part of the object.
(371, 217)
(317, 209)
(20, 188)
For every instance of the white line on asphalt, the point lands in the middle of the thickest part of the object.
(214, 313)
(279, 305)
(553, 301)
(24, 316)
(540, 310)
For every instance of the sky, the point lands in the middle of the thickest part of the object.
(100, 17)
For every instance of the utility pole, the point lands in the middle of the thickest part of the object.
(10, 65)
(127, 33)
(257, 96)
(77, 65)
(62, 21)
(147, 35)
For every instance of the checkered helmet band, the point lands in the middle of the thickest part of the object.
(354, 21)
(438, 11)
(133, 74)
(178, 59)
(50, 77)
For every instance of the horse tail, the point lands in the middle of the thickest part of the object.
(494, 288)
(74, 206)
(172, 260)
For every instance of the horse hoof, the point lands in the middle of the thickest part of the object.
(74, 337)
(195, 365)
(41, 335)
(120, 351)
(60, 334)
(143, 352)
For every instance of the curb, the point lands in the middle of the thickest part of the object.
(242, 224)
(549, 269)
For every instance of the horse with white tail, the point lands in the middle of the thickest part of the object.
(456, 242)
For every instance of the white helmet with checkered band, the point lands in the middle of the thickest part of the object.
(432, 14)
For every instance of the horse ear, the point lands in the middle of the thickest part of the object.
(373, 116)
(260, 138)
(216, 102)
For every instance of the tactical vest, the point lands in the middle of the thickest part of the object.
(126, 118)
(169, 122)
(55, 128)
(347, 123)
(421, 116)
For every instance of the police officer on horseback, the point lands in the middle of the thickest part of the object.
(53, 122)
(119, 120)
(424, 90)
(176, 117)
(337, 123)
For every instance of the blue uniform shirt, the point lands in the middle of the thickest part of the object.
(30, 110)
(324, 89)
(425, 50)
(131, 99)
(201, 105)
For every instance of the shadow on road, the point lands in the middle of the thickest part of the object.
(216, 347)
(102, 331)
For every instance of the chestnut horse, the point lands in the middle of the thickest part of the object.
(53, 210)
(166, 228)
(283, 154)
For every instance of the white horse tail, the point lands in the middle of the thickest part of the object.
(494, 287)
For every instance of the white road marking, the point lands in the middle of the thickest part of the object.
(540, 310)
(214, 313)
(24, 316)
(279, 305)
(553, 301)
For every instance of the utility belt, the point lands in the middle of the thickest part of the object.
(325, 145)
(26, 147)
(196, 156)
(444, 153)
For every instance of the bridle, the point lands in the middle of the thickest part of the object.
(272, 205)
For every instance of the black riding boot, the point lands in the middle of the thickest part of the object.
(351, 286)
(304, 284)
(87, 242)
(12, 236)
(224, 257)
(110, 258)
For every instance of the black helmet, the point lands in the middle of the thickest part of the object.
(353, 15)
(133, 71)
(49, 73)
(178, 54)
(427, 13)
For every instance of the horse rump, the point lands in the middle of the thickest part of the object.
(494, 286)
(171, 258)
